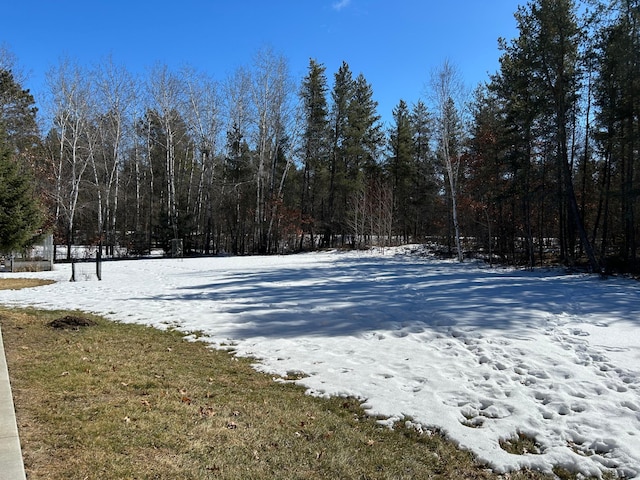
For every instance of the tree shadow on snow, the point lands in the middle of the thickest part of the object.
(355, 295)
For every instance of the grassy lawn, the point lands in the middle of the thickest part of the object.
(115, 401)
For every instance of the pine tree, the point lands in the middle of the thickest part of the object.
(524, 120)
(422, 131)
(618, 100)
(341, 96)
(555, 40)
(539, 85)
(17, 113)
(401, 169)
(363, 142)
(315, 148)
(20, 216)
(426, 183)
(236, 195)
(488, 181)
(364, 136)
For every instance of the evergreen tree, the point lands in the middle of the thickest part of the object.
(237, 199)
(539, 87)
(524, 119)
(20, 216)
(422, 131)
(341, 95)
(363, 142)
(315, 148)
(618, 100)
(402, 170)
(17, 114)
(364, 136)
(488, 179)
(555, 40)
(426, 183)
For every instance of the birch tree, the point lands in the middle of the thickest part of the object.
(165, 92)
(447, 92)
(270, 92)
(116, 97)
(204, 120)
(71, 109)
(237, 175)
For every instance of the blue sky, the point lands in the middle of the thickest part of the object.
(395, 44)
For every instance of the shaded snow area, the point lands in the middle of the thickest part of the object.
(483, 354)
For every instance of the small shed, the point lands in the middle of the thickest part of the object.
(38, 258)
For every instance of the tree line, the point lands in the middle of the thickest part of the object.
(538, 164)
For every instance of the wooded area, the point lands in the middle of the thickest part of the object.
(540, 164)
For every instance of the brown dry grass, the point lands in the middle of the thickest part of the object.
(18, 283)
(125, 401)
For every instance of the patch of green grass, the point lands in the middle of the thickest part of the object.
(127, 401)
(521, 444)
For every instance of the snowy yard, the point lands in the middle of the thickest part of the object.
(483, 354)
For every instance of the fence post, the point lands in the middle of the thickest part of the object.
(99, 262)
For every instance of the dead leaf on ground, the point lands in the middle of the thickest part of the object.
(207, 411)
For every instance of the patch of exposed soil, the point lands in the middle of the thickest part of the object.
(71, 322)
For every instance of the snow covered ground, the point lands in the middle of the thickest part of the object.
(483, 354)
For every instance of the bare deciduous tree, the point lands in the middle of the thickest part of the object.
(447, 91)
(166, 93)
(71, 112)
(270, 93)
(204, 120)
(115, 95)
